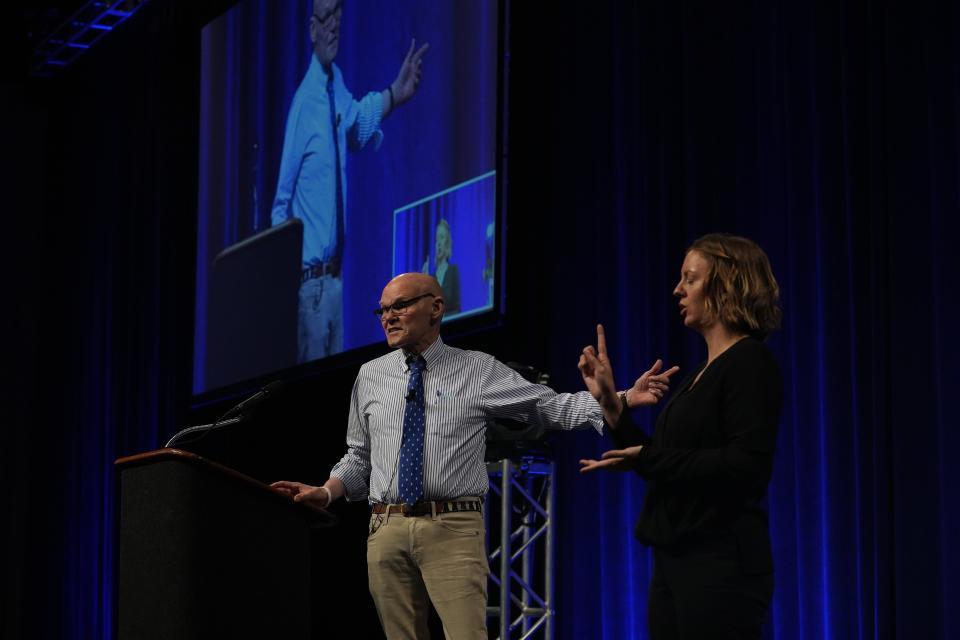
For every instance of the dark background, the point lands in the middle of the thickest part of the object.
(826, 131)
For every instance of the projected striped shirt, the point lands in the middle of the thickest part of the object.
(464, 390)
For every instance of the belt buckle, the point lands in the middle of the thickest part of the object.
(407, 509)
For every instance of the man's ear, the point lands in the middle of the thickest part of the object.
(436, 313)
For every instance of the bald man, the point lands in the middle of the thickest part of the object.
(415, 449)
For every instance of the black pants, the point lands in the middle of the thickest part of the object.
(714, 590)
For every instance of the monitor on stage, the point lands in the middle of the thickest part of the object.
(342, 143)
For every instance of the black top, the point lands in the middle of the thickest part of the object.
(710, 458)
(451, 288)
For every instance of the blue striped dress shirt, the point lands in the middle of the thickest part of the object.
(306, 187)
(464, 390)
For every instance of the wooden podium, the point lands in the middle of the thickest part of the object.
(207, 552)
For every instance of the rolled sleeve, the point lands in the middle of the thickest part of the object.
(364, 125)
(508, 395)
(353, 470)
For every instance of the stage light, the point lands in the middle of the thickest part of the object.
(81, 31)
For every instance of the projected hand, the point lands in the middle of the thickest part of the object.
(651, 386)
(613, 460)
(408, 78)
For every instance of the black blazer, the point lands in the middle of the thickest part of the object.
(451, 288)
(710, 459)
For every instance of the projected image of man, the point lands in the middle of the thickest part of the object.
(323, 123)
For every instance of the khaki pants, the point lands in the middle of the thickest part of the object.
(442, 558)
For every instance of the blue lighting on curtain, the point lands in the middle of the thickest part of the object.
(664, 126)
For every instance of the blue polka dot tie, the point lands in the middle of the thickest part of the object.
(338, 252)
(410, 481)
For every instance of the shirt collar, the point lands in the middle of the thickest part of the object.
(432, 355)
(317, 71)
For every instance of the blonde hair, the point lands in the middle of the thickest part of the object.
(740, 290)
(446, 227)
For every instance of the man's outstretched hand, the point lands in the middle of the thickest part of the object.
(408, 78)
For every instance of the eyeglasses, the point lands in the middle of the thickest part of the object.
(325, 19)
(400, 307)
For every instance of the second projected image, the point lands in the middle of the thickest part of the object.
(451, 235)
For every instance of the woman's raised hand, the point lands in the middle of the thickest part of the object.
(651, 386)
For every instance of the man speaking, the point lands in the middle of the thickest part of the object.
(415, 452)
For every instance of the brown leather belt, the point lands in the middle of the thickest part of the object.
(427, 508)
(331, 268)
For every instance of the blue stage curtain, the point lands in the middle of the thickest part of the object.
(828, 133)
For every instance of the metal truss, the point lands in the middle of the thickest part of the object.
(80, 32)
(521, 571)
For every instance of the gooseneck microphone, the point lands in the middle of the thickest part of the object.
(234, 415)
(254, 400)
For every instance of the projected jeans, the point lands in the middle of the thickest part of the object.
(320, 330)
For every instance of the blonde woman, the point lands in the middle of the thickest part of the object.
(709, 460)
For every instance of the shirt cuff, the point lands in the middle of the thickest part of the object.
(595, 414)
